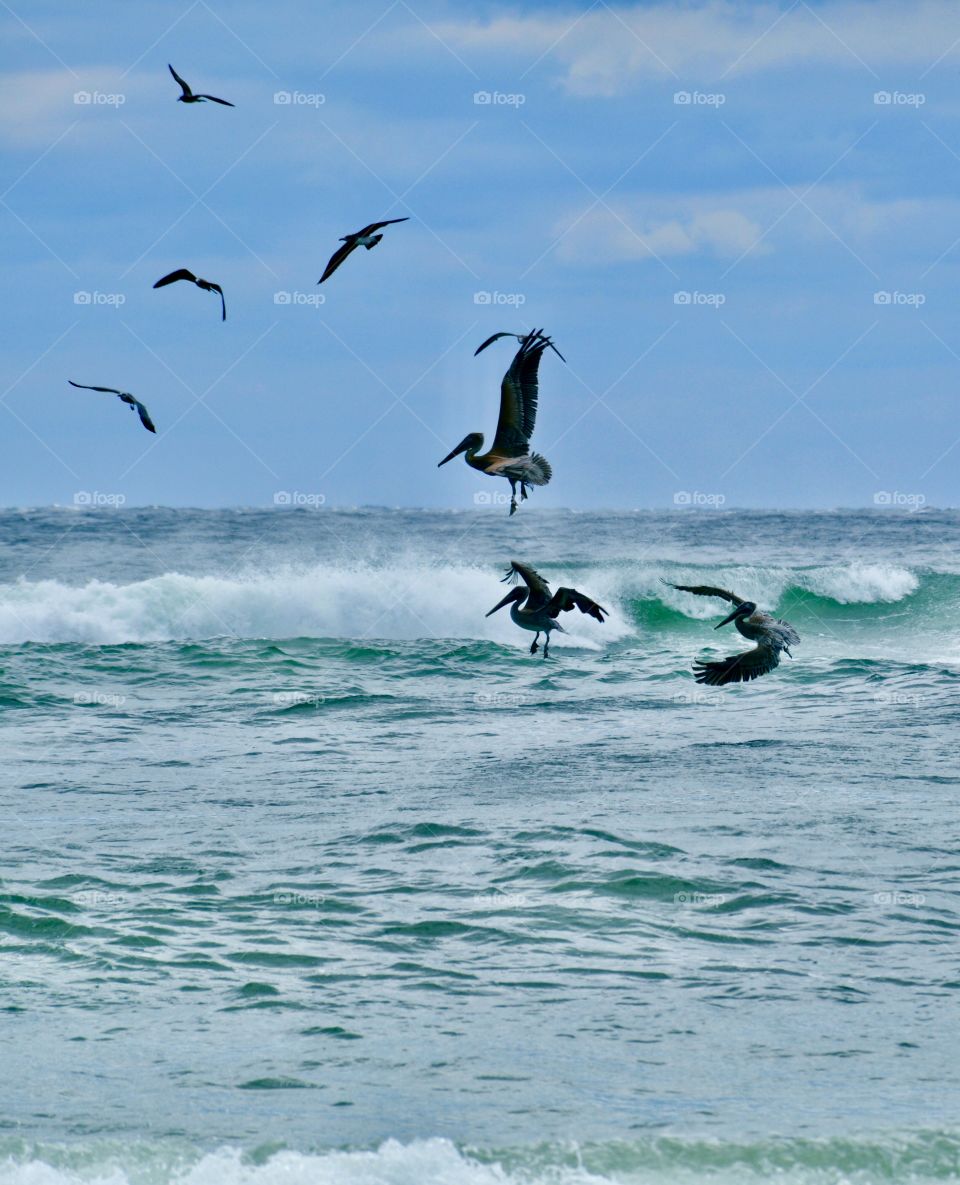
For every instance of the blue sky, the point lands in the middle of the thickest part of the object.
(814, 165)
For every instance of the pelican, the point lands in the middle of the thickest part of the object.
(771, 634)
(510, 455)
(360, 238)
(207, 286)
(189, 97)
(125, 397)
(540, 611)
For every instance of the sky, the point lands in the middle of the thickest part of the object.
(740, 222)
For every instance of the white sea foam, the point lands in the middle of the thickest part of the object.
(319, 601)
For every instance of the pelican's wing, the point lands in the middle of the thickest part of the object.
(214, 99)
(538, 589)
(706, 590)
(739, 668)
(781, 633)
(565, 599)
(85, 387)
(184, 85)
(519, 336)
(368, 230)
(519, 394)
(144, 416)
(337, 258)
(223, 303)
(179, 274)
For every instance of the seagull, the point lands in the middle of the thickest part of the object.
(125, 397)
(189, 97)
(770, 634)
(541, 608)
(206, 285)
(361, 238)
(510, 455)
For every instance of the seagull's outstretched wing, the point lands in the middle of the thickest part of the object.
(368, 230)
(519, 336)
(214, 99)
(223, 304)
(705, 590)
(140, 410)
(739, 668)
(180, 274)
(86, 387)
(184, 86)
(565, 599)
(337, 258)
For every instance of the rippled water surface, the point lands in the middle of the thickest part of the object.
(313, 873)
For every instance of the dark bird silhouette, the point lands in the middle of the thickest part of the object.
(772, 636)
(535, 607)
(510, 455)
(189, 97)
(125, 397)
(361, 238)
(206, 285)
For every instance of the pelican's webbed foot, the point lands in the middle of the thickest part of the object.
(535, 645)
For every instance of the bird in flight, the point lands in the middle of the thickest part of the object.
(183, 274)
(362, 238)
(189, 97)
(772, 637)
(125, 397)
(510, 455)
(536, 608)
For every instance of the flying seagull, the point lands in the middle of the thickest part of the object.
(206, 285)
(510, 455)
(361, 238)
(189, 97)
(539, 612)
(770, 634)
(125, 397)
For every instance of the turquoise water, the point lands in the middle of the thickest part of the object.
(313, 874)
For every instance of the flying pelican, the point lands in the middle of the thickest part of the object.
(360, 238)
(206, 285)
(510, 455)
(540, 611)
(189, 97)
(125, 397)
(771, 635)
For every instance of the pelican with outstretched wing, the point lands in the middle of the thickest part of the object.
(510, 454)
(535, 608)
(772, 636)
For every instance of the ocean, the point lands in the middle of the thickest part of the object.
(313, 873)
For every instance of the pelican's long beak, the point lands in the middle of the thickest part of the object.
(461, 447)
(728, 619)
(506, 601)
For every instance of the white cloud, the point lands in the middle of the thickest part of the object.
(606, 51)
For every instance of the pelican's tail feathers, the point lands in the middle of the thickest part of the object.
(538, 471)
